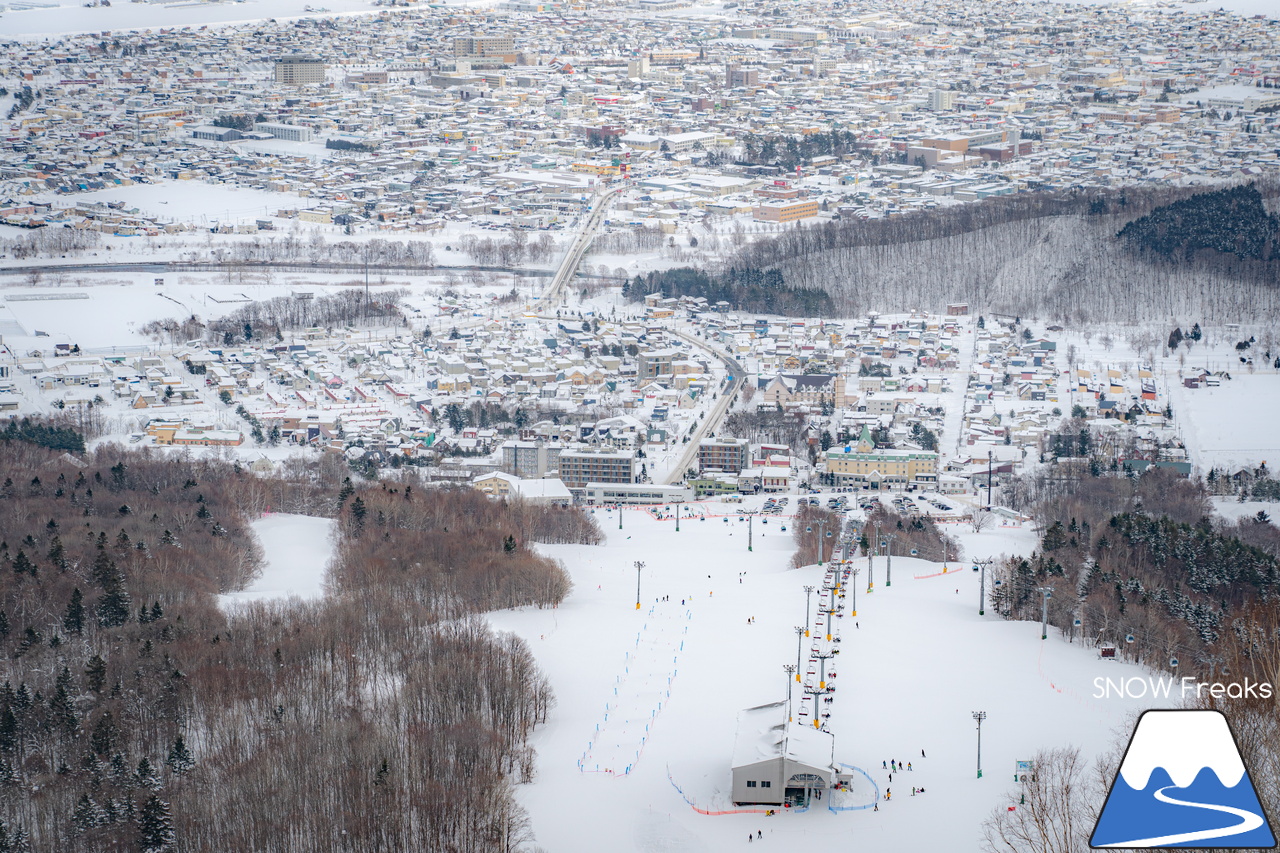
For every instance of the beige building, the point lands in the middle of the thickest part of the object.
(786, 211)
(865, 465)
(299, 70)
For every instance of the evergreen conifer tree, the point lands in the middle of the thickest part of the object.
(155, 827)
(180, 759)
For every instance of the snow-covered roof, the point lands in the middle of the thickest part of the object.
(764, 733)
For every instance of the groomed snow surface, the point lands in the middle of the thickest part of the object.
(297, 549)
(907, 679)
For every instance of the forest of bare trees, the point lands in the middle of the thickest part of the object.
(138, 715)
(1051, 255)
(271, 318)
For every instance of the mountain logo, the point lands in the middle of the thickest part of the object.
(1182, 783)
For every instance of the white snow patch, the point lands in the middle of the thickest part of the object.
(298, 549)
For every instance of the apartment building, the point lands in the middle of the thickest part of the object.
(582, 466)
(730, 455)
(530, 459)
(299, 70)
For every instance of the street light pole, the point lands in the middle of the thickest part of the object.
(808, 590)
(619, 516)
(979, 716)
(639, 565)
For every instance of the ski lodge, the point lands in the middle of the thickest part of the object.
(776, 762)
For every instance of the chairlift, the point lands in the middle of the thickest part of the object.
(1128, 638)
(1173, 663)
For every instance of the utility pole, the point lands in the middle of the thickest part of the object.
(979, 716)
(990, 454)
(639, 565)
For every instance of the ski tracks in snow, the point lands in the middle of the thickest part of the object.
(640, 692)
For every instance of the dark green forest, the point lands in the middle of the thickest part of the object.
(1231, 221)
(744, 288)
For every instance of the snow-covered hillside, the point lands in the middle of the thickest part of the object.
(915, 662)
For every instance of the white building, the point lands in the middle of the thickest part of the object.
(774, 760)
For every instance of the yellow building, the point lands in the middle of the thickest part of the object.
(864, 465)
(788, 211)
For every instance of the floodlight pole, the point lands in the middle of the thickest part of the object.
(853, 588)
(790, 670)
(808, 590)
(888, 566)
(639, 565)
(979, 716)
(799, 640)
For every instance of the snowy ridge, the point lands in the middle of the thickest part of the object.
(1183, 743)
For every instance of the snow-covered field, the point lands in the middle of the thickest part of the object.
(62, 17)
(193, 201)
(1233, 425)
(907, 681)
(298, 549)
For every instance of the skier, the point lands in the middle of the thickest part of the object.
(922, 753)
(759, 833)
(883, 764)
(877, 808)
(908, 765)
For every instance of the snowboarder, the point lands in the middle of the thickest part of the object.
(908, 765)
(913, 791)
(877, 808)
(883, 764)
(750, 837)
(922, 753)
(759, 833)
